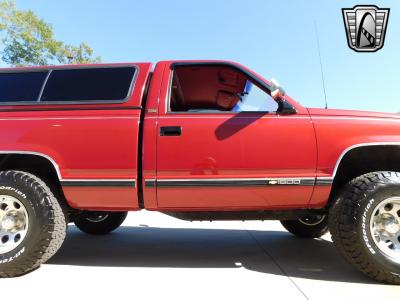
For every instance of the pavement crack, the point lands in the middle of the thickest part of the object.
(274, 260)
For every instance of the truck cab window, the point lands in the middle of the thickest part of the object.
(255, 99)
(216, 89)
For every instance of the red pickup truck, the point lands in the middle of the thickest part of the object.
(197, 140)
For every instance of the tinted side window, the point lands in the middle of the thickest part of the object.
(88, 84)
(21, 86)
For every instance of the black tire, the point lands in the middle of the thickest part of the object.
(46, 224)
(349, 224)
(99, 222)
(309, 227)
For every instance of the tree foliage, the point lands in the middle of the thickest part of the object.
(29, 40)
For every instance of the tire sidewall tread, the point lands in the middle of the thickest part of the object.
(47, 223)
(349, 220)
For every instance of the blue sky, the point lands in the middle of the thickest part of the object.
(275, 38)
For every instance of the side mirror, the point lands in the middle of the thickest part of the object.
(284, 108)
(278, 93)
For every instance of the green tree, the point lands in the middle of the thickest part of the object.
(29, 40)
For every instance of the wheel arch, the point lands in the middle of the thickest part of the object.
(364, 158)
(38, 164)
(32, 154)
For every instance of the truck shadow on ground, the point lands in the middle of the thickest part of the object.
(272, 252)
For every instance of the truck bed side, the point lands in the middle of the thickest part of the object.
(92, 147)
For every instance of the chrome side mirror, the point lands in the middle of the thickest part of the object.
(277, 92)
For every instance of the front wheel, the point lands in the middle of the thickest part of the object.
(365, 225)
(307, 227)
(99, 222)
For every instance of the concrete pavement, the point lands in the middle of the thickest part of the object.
(155, 256)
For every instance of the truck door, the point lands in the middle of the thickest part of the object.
(222, 145)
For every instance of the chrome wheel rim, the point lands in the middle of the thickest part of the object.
(312, 220)
(385, 227)
(14, 223)
(97, 218)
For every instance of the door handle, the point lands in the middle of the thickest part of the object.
(171, 131)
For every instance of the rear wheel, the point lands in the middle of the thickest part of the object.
(32, 223)
(99, 222)
(365, 225)
(307, 227)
